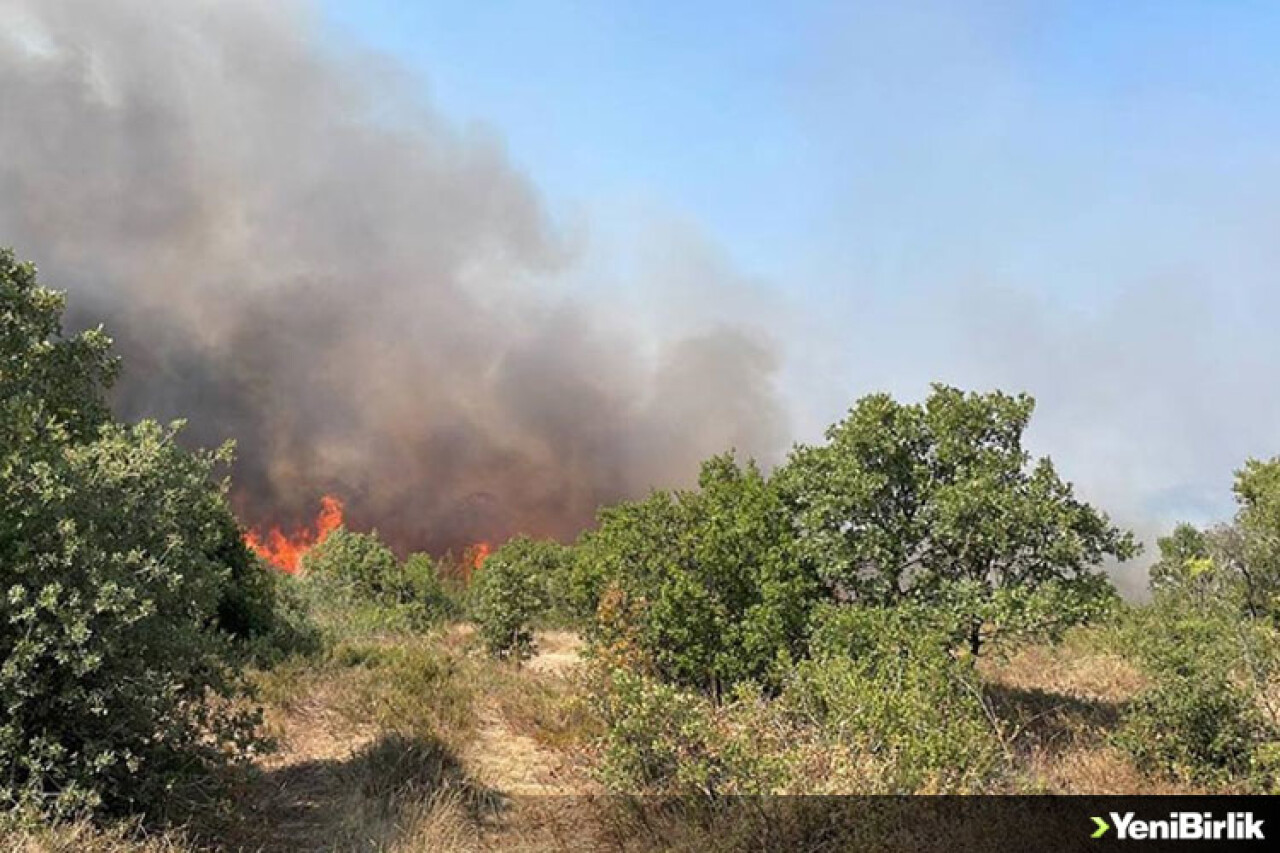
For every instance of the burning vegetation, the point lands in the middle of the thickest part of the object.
(285, 550)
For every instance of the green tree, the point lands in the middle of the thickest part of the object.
(1238, 561)
(714, 589)
(1184, 555)
(122, 578)
(52, 386)
(357, 564)
(354, 579)
(1256, 555)
(940, 503)
(510, 593)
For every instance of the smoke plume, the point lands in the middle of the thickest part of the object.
(292, 250)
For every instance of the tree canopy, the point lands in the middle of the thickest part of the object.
(940, 502)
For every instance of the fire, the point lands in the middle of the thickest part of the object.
(479, 553)
(284, 551)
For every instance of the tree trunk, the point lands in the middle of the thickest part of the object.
(975, 638)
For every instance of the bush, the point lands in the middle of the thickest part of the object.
(108, 626)
(1206, 717)
(882, 686)
(358, 564)
(1203, 729)
(509, 594)
(661, 739)
(122, 578)
(422, 587)
(705, 585)
(355, 577)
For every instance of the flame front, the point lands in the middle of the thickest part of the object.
(285, 551)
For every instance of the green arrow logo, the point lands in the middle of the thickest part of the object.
(1102, 828)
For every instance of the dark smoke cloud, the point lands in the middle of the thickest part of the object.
(293, 251)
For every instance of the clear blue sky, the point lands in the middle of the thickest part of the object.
(1078, 197)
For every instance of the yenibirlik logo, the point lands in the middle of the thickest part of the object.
(1183, 826)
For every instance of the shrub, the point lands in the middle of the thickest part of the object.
(509, 594)
(661, 739)
(121, 578)
(1206, 717)
(358, 564)
(706, 585)
(883, 685)
(355, 578)
(1203, 729)
(422, 588)
(108, 625)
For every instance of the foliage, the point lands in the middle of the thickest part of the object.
(122, 578)
(1257, 489)
(882, 684)
(940, 503)
(350, 572)
(661, 739)
(707, 584)
(109, 633)
(52, 386)
(1237, 562)
(1205, 729)
(421, 585)
(1185, 563)
(1207, 716)
(356, 562)
(510, 593)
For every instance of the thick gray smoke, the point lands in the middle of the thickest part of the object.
(291, 250)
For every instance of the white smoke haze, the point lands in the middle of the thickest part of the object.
(292, 250)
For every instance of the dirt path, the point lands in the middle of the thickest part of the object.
(515, 763)
(558, 653)
(335, 782)
(305, 787)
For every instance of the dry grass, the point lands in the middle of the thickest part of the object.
(413, 743)
(84, 837)
(420, 743)
(1058, 705)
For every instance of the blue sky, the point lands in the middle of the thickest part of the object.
(1075, 198)
(801, 136)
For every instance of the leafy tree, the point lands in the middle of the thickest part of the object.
(1199, 569)
(712, 588)
(122, 578)
(1237, 562)
(52, 386)
(510, 593)
(353, 575)
(356, 563)
(1184, 556)
(940, 503)
(1256, 555)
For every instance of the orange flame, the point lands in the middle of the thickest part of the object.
(472, 559)
(285, 551)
